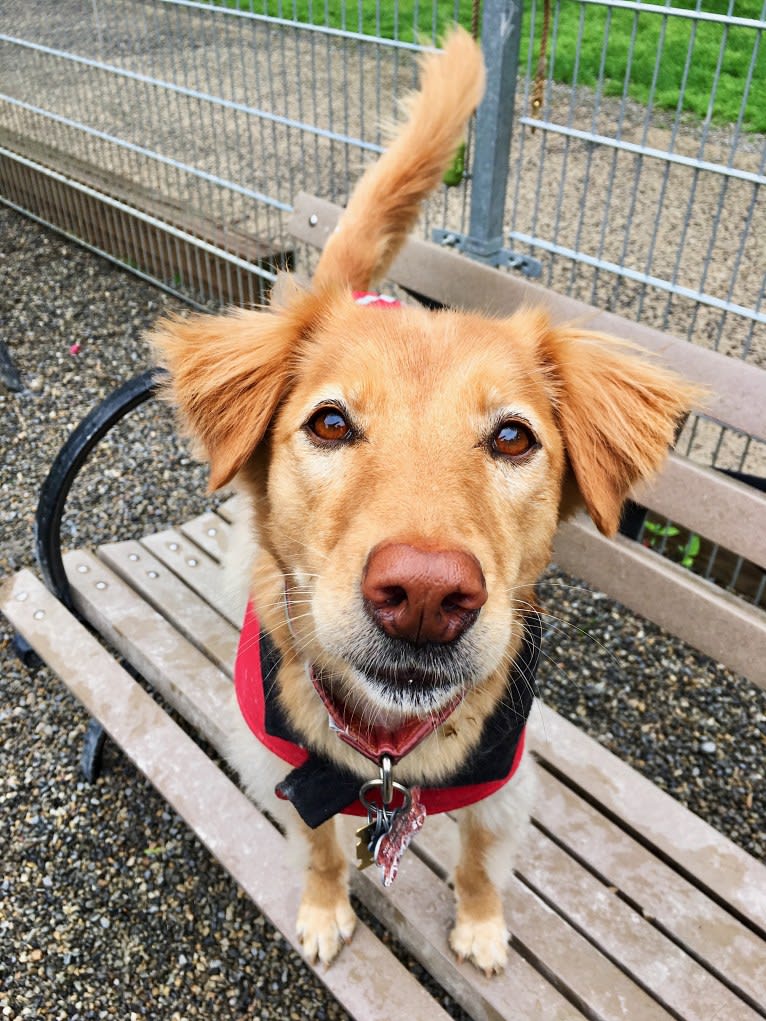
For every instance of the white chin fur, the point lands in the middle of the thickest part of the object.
(388, 709)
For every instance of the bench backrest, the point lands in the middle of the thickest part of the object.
(706, 502)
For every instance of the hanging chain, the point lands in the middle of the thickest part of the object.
(538, 89)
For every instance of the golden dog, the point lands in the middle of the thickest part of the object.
(408, 470)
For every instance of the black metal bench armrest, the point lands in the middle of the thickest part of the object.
(66, 467)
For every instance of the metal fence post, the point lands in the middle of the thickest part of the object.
(500, 40)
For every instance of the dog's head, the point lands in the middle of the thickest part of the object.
(410, 467)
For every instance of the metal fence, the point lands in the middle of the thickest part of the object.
(172, 136)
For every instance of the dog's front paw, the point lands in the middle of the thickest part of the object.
(482, 941)
(324, 929)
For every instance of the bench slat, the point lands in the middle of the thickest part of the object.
(216, 545)
(646, 959)
(699, 612)
(198, 622)
(366, 979)
(698, 923)
(152, 645)
(209, 531)
(725, 511)
(163, 656)
(520, 988)
(708, 859)
(230, 508)
(452, 279)
(547, 939)
(198, 570)
(621, 933)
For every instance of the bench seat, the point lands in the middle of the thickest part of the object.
(623, 905)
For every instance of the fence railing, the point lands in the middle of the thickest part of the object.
(622, 146)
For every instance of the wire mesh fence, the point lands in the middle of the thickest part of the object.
(636, 182)
(651, 140)
(173, 135)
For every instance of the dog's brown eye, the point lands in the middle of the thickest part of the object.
(513, 439)
(330, 426)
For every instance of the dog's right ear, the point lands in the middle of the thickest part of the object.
(228, 374)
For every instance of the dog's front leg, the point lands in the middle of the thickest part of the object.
(480, 933)
(326, 919)
(491, 833)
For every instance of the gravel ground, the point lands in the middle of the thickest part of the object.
(110, 907)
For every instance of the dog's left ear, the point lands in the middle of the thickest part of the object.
(618, 414)
(228, 374)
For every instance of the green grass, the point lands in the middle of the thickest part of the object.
(679, 34)
(412, 20)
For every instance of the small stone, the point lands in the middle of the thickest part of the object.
(708, 747)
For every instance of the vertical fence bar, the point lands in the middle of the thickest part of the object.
(500, 38)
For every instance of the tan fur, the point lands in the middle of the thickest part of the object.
(325, 918)
(617, 413)
(480, 931)
(425, 391)
(386, 202)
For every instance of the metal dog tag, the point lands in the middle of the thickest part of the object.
(379, 816)
(389, 831)
(364, 838)
(367, 837)
(406, 823)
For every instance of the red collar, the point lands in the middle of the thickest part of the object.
(372, 298)
(375, 741)
(261, 709)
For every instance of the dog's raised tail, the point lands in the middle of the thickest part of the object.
(384, 205)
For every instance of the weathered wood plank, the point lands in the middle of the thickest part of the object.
(706, 501)
(679, 983)
(557, 948)
(182, 674)
(191, 616)
(700, 613)
(623, 955)
(419, 909)
(708, 859)
(210, 532)
(198, 570)
(728, 949)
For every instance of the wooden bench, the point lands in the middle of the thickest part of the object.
(625, 904)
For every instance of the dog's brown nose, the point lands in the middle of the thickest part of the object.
(423, 595)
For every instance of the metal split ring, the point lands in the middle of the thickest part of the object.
(387, 776)
(395, 786)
